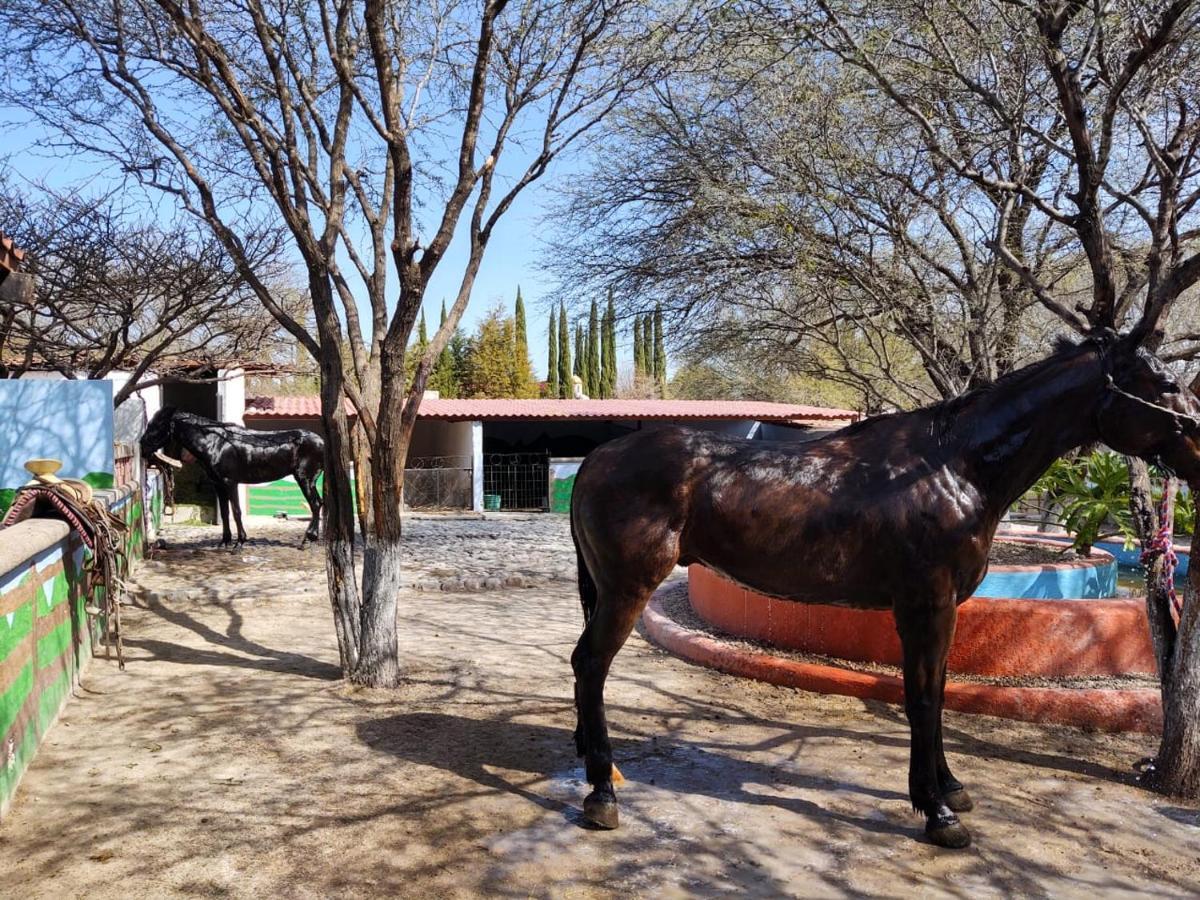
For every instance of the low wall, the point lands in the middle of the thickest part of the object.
(995, 636)
(562, 483)
(284, 496)
(46, 639)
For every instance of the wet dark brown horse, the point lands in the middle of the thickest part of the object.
(897, 512)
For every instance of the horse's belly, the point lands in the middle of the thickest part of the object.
(804, 578)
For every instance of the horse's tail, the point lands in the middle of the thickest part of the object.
(589, 597)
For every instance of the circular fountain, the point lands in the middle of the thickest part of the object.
(1043, 641)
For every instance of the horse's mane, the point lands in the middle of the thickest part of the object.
(946, 414)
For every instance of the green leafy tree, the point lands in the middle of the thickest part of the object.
(564, 353)
(592, 375)
(552, 356)
(460, 352)
(490, 368)
(660, 352)
(608, 351)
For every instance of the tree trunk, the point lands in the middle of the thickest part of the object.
(1178, 764)
(378, 663)
(338, 510)
(361, 449)
(1176, 647)
(1158, 603)
(339, 526)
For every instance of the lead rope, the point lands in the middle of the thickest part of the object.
(1163, 544)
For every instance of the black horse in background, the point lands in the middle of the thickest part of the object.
(231, 455)
(897, 512)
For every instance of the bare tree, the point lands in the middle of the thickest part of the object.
(1113, 108)
(112, 293)
(769, 200)
(375, 133)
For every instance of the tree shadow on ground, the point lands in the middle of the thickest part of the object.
(483, 745)
(257, 655)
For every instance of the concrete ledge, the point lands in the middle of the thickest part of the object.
(1105, 710)
(21, 542)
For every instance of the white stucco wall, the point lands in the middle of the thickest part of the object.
(231, 396)
(477, 466)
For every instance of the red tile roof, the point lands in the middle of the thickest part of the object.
(629, 409)
(287, 408)
(490, 410)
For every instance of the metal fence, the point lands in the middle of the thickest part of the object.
(521, 480)
(438, 482)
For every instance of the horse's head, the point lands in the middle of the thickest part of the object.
(158, 432)
(1147, 412)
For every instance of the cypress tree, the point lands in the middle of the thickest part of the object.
(552, 356)
(564, 353)
(579, 351)
(523, 382)
(608, 351)
(592, 378)
(413, 357)
(522, 340)
(660, 352)
(444, 378)
(647, 346)
(638, 366)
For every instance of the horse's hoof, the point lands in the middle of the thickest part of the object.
(960, 801)
(948, 833)
(600, 811)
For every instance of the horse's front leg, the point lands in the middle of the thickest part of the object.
(223, 506)
(926, 628)
(956, 795)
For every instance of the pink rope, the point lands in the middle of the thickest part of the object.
(1163, 544)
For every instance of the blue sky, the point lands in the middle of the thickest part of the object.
(512, 257)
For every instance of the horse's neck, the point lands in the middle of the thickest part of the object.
(1014, 433)
(190, 434)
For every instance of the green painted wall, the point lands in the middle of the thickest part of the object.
(562, 483)
(282, 496)
(46, 639)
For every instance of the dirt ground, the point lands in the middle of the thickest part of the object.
(229, 760)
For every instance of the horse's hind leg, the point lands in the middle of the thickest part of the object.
(605, 633)
(925, 633)
(308, 487)
(231, 489)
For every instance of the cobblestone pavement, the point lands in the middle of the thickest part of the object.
(502, 550)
